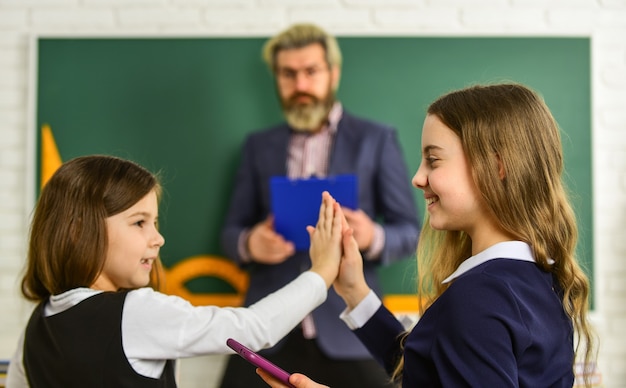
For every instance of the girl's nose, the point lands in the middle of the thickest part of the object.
(159, 240)
(420, 179)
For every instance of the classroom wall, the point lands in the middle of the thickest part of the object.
(603, 20)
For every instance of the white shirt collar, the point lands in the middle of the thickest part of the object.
(61, 302)
(514, 250)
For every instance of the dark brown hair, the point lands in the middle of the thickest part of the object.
(68, 238)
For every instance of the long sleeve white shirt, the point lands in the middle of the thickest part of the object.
(157, 327)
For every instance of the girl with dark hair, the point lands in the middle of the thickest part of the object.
(94, 249)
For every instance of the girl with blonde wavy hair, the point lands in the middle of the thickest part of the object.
(505, 301)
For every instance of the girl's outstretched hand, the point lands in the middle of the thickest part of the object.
(326, 237)
(350, 283)
(298, 380)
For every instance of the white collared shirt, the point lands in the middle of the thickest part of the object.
(515, 250)
(184, 330)
(512, 250)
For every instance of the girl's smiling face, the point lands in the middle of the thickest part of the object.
(134, 243)
(445, 177)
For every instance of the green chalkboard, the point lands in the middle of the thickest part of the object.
(182, 106)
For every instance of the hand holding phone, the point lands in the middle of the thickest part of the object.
(259, 361)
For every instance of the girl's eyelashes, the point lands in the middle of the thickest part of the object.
(141, 223)
(430, 160)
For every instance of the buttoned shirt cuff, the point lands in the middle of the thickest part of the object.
(242, 246)
(358, 316)
(377, 245)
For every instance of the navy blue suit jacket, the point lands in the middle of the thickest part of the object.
(367, 149)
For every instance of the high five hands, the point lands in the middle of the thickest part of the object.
(326, 239)
(350, 281)
(335, 256)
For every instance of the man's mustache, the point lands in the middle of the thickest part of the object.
(294, 98)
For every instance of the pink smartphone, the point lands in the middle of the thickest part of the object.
(259, 361)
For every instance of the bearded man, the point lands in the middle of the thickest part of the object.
(318, 139)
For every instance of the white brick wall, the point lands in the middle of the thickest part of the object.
(603, 20)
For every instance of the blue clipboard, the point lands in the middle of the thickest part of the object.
(296, 203)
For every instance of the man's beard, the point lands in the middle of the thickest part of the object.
(307, 117)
